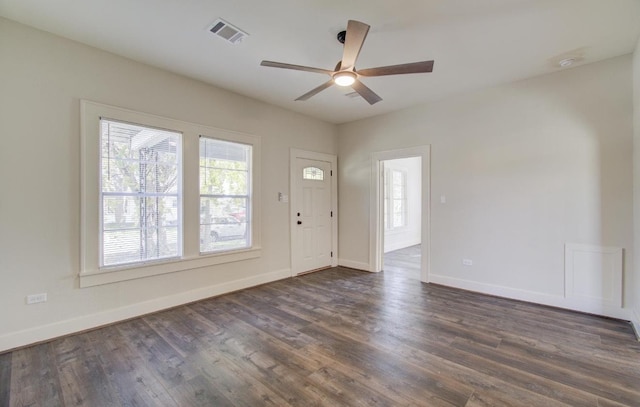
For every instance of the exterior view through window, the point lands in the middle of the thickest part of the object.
(140, 205)
(395, 199)
(225, 193)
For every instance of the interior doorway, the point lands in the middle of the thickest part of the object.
(402, 216)
(418, 251)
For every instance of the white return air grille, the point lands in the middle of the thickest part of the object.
(227, 31)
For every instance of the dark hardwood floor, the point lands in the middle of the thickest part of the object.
(403, 262)
(333, 338)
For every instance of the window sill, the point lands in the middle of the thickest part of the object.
(117, 274)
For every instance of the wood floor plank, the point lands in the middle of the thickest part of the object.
(198, 391)
(412, 381)
(168, 365)
(293, 388)
(271, 361)
(443, 360)
(45, 389)
(5, 378)
(83, 380)
(600, 385)
(133, 383)
(338, 337)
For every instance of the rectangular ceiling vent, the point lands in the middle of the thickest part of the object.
(227, 31)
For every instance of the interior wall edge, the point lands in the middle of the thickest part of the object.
(635, 323)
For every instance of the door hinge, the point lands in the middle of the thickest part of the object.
(332, 214)
(331, 254)
(331, 172)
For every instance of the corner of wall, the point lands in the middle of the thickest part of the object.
(635, 318)
(354, 264)
(635, 322)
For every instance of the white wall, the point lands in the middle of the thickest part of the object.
(636, 186)
(525, 167)
(410, 235)
(42, 79)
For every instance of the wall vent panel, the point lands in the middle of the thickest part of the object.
(593, 275)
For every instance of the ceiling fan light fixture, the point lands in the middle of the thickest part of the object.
(344, 78)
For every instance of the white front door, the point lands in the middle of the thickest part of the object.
(311, 205)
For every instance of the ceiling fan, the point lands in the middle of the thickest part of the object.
(345, 73)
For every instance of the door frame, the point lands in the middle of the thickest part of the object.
(333, 161)
(376, 234)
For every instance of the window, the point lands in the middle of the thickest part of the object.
(225, 193)
(140, 194)
(395, 199)
(313, 173)
(146, 211)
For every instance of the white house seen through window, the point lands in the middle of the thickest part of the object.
(225, 195)
(140, 193)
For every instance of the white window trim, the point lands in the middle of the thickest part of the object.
(90, 272)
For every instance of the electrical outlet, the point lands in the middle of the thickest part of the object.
(36, 298)
(467, 262)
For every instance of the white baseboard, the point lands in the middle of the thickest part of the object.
(354, 264)
(46, 332)
(532, 296)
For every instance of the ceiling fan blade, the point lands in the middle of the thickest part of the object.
(295, 67)
(356, 34)
(366, 93)
(414, 67)
(317, 90)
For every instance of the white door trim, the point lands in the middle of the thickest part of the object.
(333, 160)
(376, 194)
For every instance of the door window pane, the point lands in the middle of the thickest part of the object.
(313, 173)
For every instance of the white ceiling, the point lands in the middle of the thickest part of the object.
(475, 43)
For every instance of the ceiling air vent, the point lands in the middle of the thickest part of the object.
(227, 31)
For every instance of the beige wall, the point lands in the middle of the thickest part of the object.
(636, 185)
(525, 168)
(42, 79)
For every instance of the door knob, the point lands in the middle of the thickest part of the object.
(299, 222)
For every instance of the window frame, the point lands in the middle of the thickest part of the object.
(248, 196)
(179, 196)
(91, 273)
